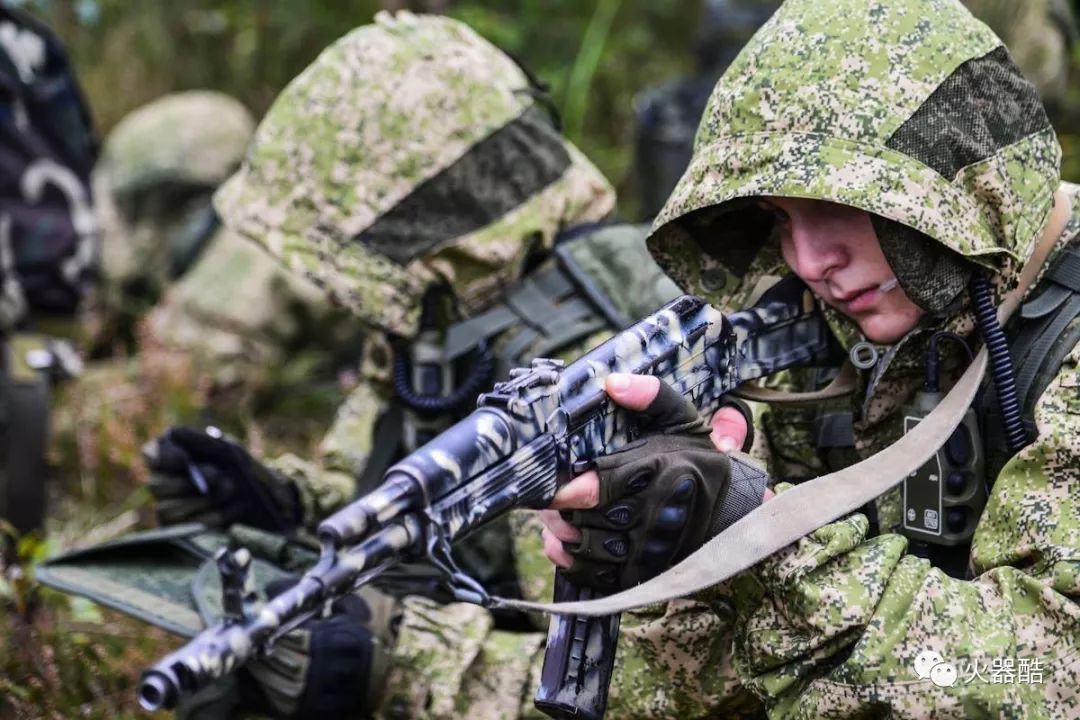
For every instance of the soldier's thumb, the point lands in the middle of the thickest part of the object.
(633, 392)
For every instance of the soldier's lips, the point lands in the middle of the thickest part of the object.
(859, 300)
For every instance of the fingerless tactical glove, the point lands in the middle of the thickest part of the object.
(661, 498)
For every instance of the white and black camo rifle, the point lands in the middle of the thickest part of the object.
(534, 432)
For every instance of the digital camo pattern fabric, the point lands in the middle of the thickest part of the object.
(842, 624)
(392, 116)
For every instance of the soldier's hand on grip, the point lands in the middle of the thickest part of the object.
(657, 500)
(197, 477)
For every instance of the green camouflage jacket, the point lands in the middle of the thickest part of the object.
(378, 188)
(912, 111)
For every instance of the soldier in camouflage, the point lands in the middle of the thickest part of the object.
(350, 222)
(911, 120)
(158, 169)
(414, 173)
(210, 318)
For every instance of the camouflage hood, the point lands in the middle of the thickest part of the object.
(410, 153)
(910, 109)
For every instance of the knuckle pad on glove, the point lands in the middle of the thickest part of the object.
(658, 504)
(604, 545)
(620, 515)
(591, 573)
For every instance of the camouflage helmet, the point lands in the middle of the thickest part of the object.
(411, 153)
(196, 137)
(156, 172)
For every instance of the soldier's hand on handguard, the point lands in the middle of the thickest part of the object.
(647, 506)
(332, 666)
(199, 477)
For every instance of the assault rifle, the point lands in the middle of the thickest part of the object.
(529, 435)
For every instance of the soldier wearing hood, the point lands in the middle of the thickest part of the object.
(416, 174)
(888, 154)
(420, 194)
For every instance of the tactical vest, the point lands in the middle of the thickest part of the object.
(1040, 336)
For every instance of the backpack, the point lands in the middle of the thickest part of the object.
(48, 235)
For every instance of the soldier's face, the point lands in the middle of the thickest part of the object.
(835, 250)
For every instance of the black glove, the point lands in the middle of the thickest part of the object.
(330, 667)
(196, 477)
(661, 498)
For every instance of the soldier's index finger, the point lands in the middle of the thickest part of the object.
(661, 405)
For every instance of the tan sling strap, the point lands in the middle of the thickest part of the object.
(813, 504)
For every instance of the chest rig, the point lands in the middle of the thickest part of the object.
(944, 500)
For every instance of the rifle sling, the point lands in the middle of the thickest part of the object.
(816, 503)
